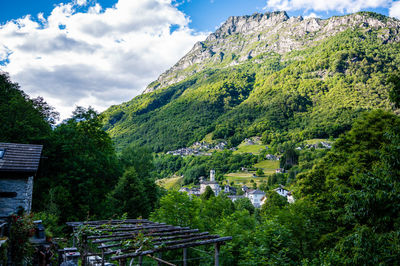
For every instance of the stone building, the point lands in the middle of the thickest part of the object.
(18, 166)
(212, 184)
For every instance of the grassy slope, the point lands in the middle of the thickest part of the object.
(254, 149)
(170, 183)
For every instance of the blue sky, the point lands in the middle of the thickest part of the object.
(104, 52)
(205, 15)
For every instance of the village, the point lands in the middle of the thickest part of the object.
(200, 149)
(257, 197)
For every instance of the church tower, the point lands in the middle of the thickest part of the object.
(212, 175)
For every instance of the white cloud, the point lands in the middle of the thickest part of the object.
(81, 2)
(99, 57)
(394, 10)
(330, 5)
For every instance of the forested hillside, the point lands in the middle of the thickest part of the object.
(311, 84)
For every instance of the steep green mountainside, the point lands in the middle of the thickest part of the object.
(278, 77)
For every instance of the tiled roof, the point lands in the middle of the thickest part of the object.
(20, 157)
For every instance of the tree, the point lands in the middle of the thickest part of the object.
(274, 202)
(136, 192)
(81, 164)
(22, 120)
(129, 196)
(244, 204)
(260, 172)
(207, 194)
(394, 93)
(178, 208)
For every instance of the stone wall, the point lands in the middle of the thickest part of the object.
(23, 187)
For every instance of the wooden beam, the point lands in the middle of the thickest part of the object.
(132, 236)
(159, 239)
(100, 222)
(164, 228)
(133, 228)
(175, 242)
(179, 246)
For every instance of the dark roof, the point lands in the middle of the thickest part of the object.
(208, 182)
(256, 191)
(20, 157)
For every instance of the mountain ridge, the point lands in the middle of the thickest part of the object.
(264, 34)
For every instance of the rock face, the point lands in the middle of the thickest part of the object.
(245, 37)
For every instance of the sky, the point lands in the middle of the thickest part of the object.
(105, 52)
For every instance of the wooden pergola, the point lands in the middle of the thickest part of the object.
(145, 238)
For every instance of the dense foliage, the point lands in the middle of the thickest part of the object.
(346, 209)
(22, 119)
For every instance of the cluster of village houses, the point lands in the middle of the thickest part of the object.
(200, 148)
(257, 197)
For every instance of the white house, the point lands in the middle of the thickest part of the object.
(281, 191)
(255, 196)
(285, 193)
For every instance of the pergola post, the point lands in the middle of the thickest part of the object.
(184, 256)
(102, 257)
(160, 257)
(122, 262)
(216, 247)
(85, 249)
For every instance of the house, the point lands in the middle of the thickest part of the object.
(281, 191)
(271, 157)
(229, 190)
(184, 189)
(18, 166)
(255, 196)
(235, 197)
(290, 198)
(191, 191)
(212, 184)
(280, 170)
(285, 193)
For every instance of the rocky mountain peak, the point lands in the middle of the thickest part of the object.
(242, 38)
(248, 24)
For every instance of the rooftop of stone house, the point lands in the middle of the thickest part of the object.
(16, 157)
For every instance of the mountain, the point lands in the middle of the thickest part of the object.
(284, 78)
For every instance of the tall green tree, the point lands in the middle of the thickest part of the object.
(23, 120)
(80, 170)
(136, 192)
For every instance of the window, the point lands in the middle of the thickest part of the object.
(2, 152)
(8, 194)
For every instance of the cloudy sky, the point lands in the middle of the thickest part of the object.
(104, 52)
